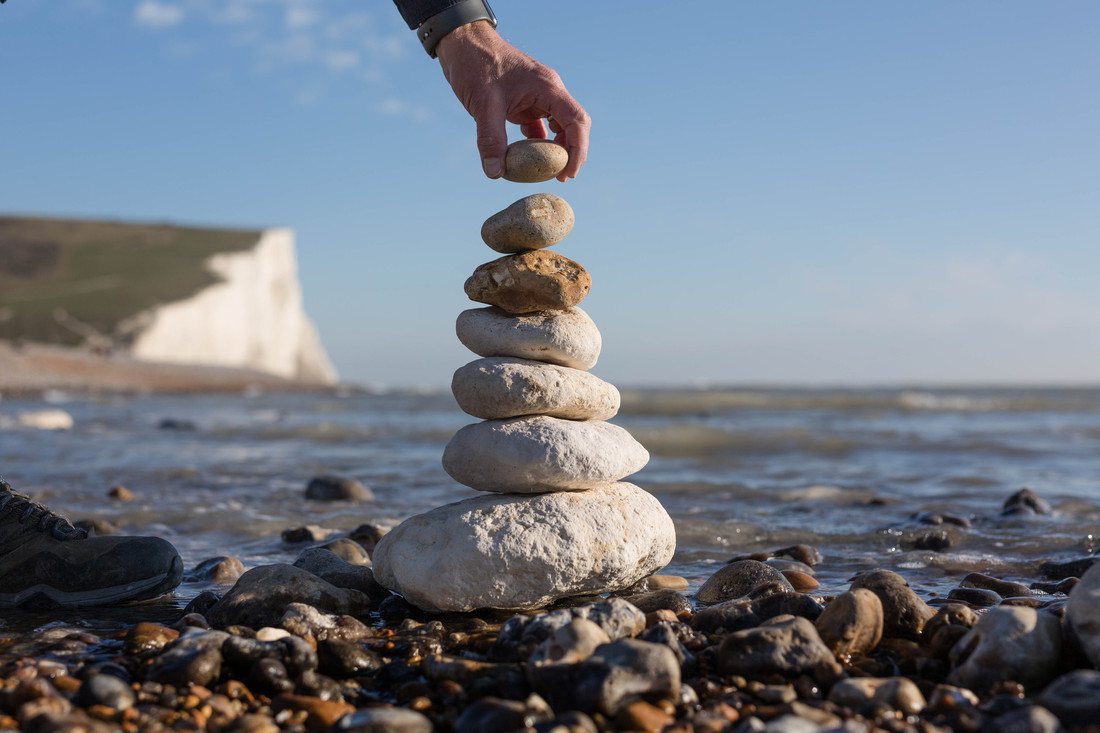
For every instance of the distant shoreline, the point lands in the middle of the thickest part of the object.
(28, 369)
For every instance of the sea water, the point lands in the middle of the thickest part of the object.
(740, 471)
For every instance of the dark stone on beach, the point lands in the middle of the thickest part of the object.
(348, 550)
(98, 527)
(269, 677)
(949, 624)
(383, 720)
(293, 652)
(343, 659)
(494, 715)
(974, 596)
(192, 659)
(805, 554)
(738, 579)
(660, 599)
(315, 684)
(1062, 586)
(1027, 719)
(107, 690)
(201, 603)
(337, 488)
(936, 519)
(1068, 569)
(764, 602)
(331, 568)
(1008, 643)
(788, 647)
(395, 609)
(1003, 588)
(1027, 503)
(221, 570)
(261, 596)
(1074, 697)
(668, 635)
(367, 535)
(171, 423)
(903, 611)
(936, 539)
(605, 682)
(851, 623)
(294, 535)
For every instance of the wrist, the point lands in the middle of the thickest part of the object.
(455, 17)
(470, 36)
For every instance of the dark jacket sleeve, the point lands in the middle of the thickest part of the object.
(416, 12)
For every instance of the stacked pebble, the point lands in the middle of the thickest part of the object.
(558, 521)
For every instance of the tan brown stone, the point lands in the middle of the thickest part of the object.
(852, 623)
(529, 282)
(533, 222)
(534, 161)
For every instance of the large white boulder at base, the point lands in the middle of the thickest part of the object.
(518, 552)
(500, 387)
(530, 455)
(566, 337)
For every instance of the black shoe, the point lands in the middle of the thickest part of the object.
(46, 562)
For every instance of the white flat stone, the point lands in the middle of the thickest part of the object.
(567, 337)
(519, 552)
(528, 455)
(502, 387)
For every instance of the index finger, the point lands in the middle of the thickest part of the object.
(574, 124)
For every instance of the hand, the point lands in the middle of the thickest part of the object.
(496, 82)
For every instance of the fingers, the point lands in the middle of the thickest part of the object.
(534, 129)
(492, 137)
(572, 125)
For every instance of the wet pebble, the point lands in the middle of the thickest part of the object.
(107, 690)
(801, 582)
(1003, 588)
(1074, 697)
(343, 659)
(667, 599)
(121, 493)
(1027, 503)
(1008, 643)
(384, 720)
(974, 596)
(898, 693)
(1028, 719)
(194, 658)
(904, 613)
(337, 488)
(334, 569)
(305, 620)
(222, 570)
(765, 602)
(666, 582)
(146, 636)
(788, 646)
(737, 579)
(261, 595)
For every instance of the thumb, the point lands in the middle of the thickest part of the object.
(492, 138)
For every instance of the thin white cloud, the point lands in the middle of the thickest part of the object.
(155, 14)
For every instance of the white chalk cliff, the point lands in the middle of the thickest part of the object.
(251, 319)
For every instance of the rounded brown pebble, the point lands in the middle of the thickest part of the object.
(121, 493)
(533, 222)
(534, 161)
(852, 623)
(529, 282)
(802, 582)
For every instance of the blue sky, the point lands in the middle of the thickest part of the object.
(800, 192)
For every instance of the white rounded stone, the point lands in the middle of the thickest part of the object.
(567, 337)
(526, 551)
(529, 455)
(499, 387)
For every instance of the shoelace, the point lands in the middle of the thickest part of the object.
(36, 515)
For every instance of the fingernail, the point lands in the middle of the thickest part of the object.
(492, 167)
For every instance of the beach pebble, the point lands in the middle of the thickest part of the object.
(120, 493)
(572, 643)
(501, 387)
(496, 715)
(1068, 568)
(383, 720)
(1083, 613)
(215, 570)
(100, 527)
(1008, 643)
(1028, 719)
(348, 550)
(618, 618)
(304, 620)
(107, 690)
(801, 582)
(851, 623)
(194, 658)
(898, 693)
(534, 160)
(333, 569)
(765, 602)
(738, 579)
(532, 281)
(343, 659)
(533, 222)
(974, 596)
(260, 597)
(904, 612)
(1025, 502)
(1074, 697)
(665, 599)
(539, 548)
(788, 646)
(661, 582)
(615, 675)
(525, 455)
(567, 337)
(1003, 588)
(337, 488)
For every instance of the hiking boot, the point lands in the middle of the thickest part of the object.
(46, 562)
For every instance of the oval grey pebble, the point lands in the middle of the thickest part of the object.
(384, 720)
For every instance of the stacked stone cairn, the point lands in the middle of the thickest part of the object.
(556, 520)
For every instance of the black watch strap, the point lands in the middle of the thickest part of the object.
(442, 23)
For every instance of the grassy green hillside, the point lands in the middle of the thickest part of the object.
(99, 272)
